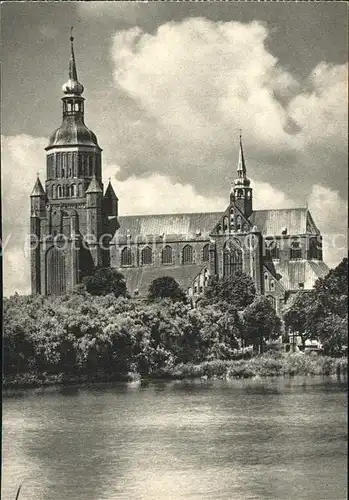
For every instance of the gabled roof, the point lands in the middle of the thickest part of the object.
(268, 222)
(169, 224)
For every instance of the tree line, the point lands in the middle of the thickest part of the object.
(99, 329)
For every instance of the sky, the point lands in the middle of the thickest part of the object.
(168, 86)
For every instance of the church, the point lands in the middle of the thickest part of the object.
(75, 226)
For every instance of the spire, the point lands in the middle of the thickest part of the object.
(38, 190)
(73, 86)
(73, 74)
(94, 186)
(109, 192)
(241, 163)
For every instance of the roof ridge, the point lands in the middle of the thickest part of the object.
(279, 209)
(172, 214)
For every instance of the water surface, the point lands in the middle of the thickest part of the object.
(266, 439)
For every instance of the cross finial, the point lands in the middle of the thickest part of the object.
(109, 179)
(37, 174)
(240, 133)
(71, 34)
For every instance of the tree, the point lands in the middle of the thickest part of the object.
(332, 290)
(237, 290)
(166, 287)
(105, 280)
(261, 323)
(333, 334)
(302, 314)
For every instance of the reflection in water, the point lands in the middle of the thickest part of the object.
(238, 440)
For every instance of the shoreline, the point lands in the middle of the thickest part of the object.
(262, 366)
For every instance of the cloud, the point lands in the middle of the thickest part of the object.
(329, 212)
(195, 83)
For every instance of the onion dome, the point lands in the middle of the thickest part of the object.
(72, 132)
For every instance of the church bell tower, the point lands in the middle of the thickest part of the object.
(68, 216)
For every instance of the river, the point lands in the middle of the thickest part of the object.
(265, 439)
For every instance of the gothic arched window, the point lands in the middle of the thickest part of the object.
(295, 251)
(126, 257)
(55, 272)
(147, 256)
(54, 191)
(232, 259)
(187, 255)
(272, 285)
(206, 253)
(166, 255)
(225, 223)
(73, 190)
(80, 190)
(59, 191)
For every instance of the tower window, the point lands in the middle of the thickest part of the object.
(70, 165)
(83, 164)
(295, 251)
(80, 190)
(206, 253)
(187, 256)
(147, 256)
(126, 257)
(225, 224)
(166, 255)
(54, 192)
(59, 191)
(73, 190)
(80, 171)
(272, 285)
(74, 164)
